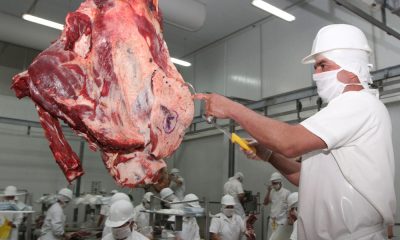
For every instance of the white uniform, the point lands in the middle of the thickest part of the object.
(16, 219)
(294, 233)
(54, 223)
(142, 219)
(234, 187)
(190, 229)
(135, 236)
(179, 191)
(278, 214)
(228, 228)
(347, 190)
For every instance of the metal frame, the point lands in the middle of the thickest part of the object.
(382, 25)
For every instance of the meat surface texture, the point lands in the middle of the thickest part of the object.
(109, 77)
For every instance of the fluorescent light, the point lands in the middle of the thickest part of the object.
(43, 21)
(181, 62)
(273, 10)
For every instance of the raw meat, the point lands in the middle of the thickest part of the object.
(110, 78)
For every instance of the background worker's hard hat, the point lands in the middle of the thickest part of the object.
(228, 200)
(276, 177)
(121, 212)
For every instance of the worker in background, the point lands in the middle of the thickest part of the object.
(190, 228)
(227, 225)
(120, 221)
(277, 197)
(234, 188)
(116, 197)
(177, 183)
(105, 208)
(349, 166)
(142, 219)
(54, 223)
(14, 219)
(292, 214)
(168, 197)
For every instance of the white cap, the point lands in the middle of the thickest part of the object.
(276, 177)
(293, 199)
(119, 196)
(228, 200)
(337, 36)
(166, 192)
(10, 191)
(192, 197)
(147, 196)
(114, 191)
(121, 212)
(174, 171)
(239, 175)
(66, 193)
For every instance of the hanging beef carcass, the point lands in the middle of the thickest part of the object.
(110, 78)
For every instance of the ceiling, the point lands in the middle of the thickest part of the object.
(223, 18)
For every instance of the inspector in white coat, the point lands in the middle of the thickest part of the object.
(234, 188)
(190, 228)
(227, 225)
(120, 220)
(54, 224)
(10, 192)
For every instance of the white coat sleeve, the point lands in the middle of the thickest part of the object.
(215, 225)
(342, 121)
(57, 223)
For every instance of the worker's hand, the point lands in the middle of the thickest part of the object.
(262, 152)
(216, 105)
(270, 187)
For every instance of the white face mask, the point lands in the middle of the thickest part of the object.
(121, 233)
(328, 85)
(228, 212)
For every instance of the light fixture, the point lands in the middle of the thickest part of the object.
(42, 21)
(181, 62)
(273, 10)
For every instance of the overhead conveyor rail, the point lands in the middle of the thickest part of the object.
(383, 79)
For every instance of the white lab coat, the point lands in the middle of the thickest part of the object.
(279, 205)
(234, 187)
(142, 219)
(135, 236)
(16, 219)
(190, 229)
(228, 228)
(54, 223)
(347, 190)
(293, 236)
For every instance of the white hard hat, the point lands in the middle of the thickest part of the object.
(121, 212)
(119, 196)
(174, 171)
(66, 193)
(239, 175)
(10, 191)
(192, 197)
(276, 177)
(337, 36)
(166, 192)
(147, 197)
(293, 199)
(114, 191)
(228, 200)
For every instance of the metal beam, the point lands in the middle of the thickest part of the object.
(346, 4)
